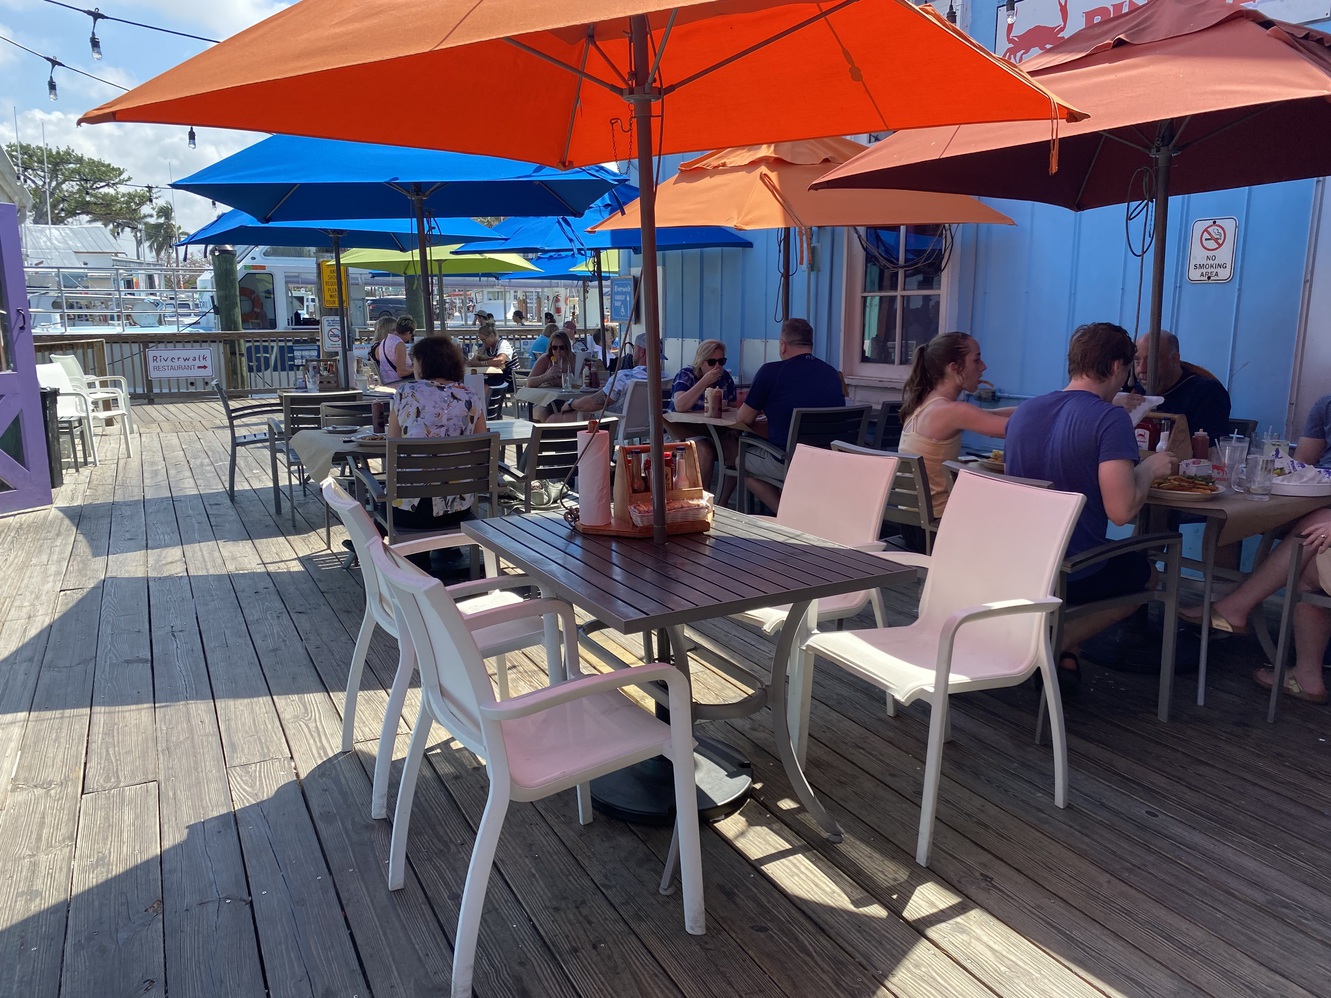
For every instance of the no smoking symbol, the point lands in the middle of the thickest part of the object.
(1212, 237)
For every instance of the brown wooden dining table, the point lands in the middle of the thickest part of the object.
(1231, 517)
(636, 586)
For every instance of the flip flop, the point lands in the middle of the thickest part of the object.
(1069, 680)
(1265, 678)
(1193, 615)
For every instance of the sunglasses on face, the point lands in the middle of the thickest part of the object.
(553, 348)
(713, 361)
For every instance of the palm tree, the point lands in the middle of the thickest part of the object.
(161, 233)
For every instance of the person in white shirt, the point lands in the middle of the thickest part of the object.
(611, 397)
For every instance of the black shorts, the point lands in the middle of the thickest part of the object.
(1123, 574)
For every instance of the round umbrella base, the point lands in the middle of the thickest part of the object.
(644, 793)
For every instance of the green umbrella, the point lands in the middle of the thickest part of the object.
(442, 262)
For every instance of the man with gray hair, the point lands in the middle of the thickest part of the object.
(1189, 390)
(799, 380)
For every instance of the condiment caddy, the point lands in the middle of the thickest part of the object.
(688, 505)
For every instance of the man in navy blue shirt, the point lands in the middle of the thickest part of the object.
(1081, 442)
(799, 380)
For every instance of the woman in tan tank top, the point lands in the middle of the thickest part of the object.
(932, 418)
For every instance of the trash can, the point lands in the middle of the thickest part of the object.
(51, 422)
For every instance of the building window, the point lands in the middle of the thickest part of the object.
(900, 295)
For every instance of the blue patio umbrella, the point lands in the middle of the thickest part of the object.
(397, 234)
(236, 226)
(292, 178)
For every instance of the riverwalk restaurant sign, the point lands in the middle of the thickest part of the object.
(177, 363)
(1035, 25)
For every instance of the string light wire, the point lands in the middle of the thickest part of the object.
(96, 15)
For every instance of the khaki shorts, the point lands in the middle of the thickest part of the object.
(763, 465)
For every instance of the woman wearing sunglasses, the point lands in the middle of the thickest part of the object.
(686, 393)
(707, 371)
(549, 370)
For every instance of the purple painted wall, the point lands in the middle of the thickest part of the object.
(25, 479)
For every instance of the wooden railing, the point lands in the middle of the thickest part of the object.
(249, 362)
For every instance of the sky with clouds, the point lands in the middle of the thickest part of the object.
(151, 154)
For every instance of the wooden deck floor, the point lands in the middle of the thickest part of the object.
(178, 818)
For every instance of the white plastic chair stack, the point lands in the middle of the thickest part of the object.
(73, 408)
(109, 395)
(534, 745)
(983, 620)
(482, 594)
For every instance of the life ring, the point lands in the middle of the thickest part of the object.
(251, 305)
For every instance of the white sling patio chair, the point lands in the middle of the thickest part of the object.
(109, 395)
(838, 496)
(536, 744)
(478, 594)
(983, 620)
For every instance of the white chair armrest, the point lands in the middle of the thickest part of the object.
(432, 542)
(526, 610)
(460, 589)
(115, 381)
(585, 686)
(947, 634)
(908, 558)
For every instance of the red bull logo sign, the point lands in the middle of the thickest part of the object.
(1036, 25)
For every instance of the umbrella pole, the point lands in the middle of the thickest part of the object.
(641, 98)
(418, 200)
(341, 310)
(785, 276)
(1163, 153)
(600, 296)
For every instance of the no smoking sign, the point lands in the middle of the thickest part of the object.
(1211, 250)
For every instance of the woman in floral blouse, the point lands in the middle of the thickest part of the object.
(436, 404)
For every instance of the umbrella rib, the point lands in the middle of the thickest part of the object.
(814, 19)
(1086, 177)
(618, 91)
(290, 191)
(577, 94)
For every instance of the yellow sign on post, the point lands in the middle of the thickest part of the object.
(328, 281)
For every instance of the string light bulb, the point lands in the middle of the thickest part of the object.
(93, 41)
(193, 142)
(1011, 11)
(51, 90)
(951, 12)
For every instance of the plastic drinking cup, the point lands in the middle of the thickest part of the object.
(1233, 451)
(1260, 469)
(567, 381)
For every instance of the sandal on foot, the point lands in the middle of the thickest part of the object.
(1193, 615)
(1266, 678)
(1069, 680)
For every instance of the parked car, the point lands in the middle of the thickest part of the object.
(377, 308)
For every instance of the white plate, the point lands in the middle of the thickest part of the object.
(1182, 496)
(990, 465)
(341, 429)
(1279, 488)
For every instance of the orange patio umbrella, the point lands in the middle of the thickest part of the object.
(1184, 96)
(577, 82)
(767, 187)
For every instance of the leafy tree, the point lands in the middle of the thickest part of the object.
(81, 187)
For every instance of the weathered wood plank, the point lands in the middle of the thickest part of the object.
(114, 944)
(307, 948)
(211, 947)
(40, 815)
(122, 740)
(87, 562)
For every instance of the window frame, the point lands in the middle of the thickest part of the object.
(861, 371)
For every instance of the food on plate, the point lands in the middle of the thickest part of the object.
(1183, 483)
(371, 437)
(996, 455)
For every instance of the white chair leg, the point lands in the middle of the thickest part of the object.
(397, 848)
(353, 681)
(501, 676)
(879, 611)
(686, 828)
(127, 432)
(397, 697)
(90, 442)
(585, 812)
(473, 895)
(672, 861)
(933, 771)
(1058, 733)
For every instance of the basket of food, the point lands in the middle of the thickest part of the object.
(677, 511)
